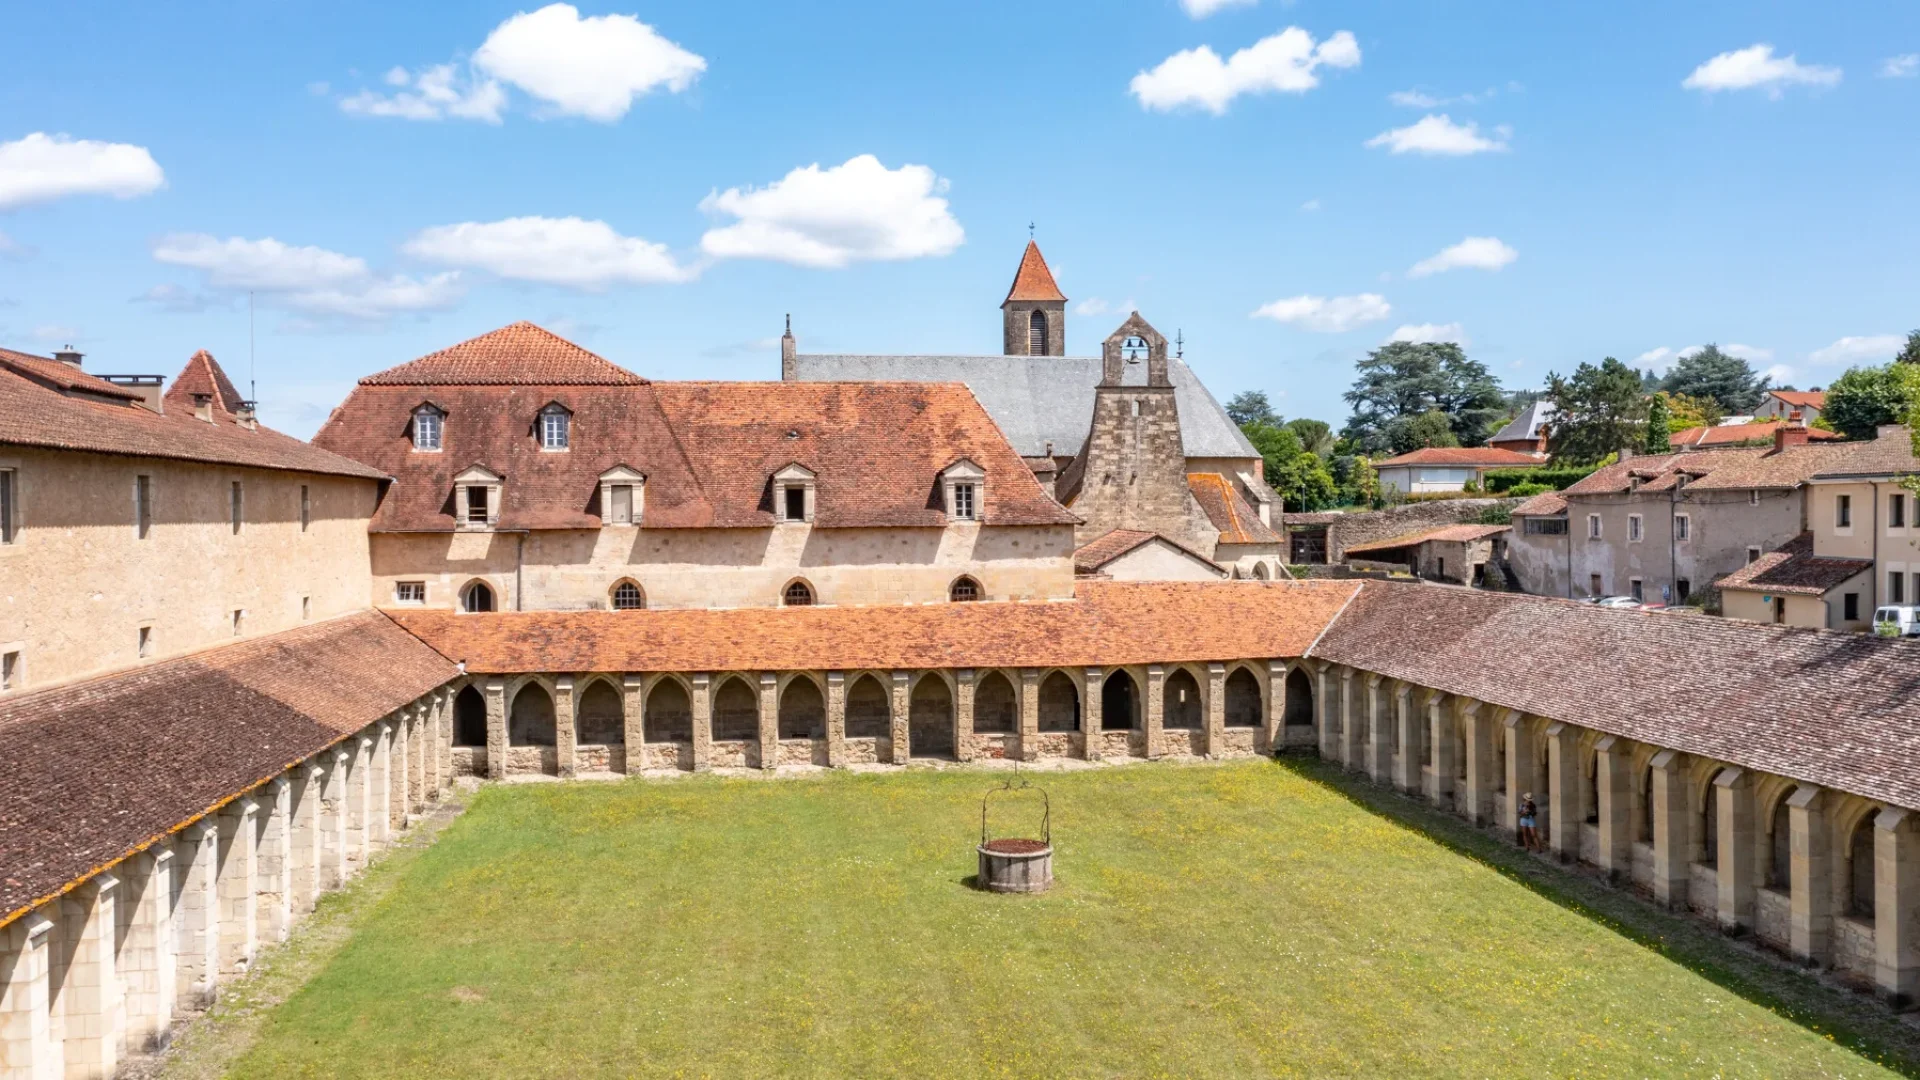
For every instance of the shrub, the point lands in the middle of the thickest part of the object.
(1528, 490)
(1555, 477)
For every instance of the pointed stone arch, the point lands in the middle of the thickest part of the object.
(803, 709)
(1059, 702)
(736, 710)
(668, 712)
(600, 713)
(996, 704)
(931, 730)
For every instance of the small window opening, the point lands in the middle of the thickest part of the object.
(143, 506)
(963, 507)
(1843, 512)
(553, 430)
(426, 430)
(626, 597)
(410, 592)
(306, 507)
(1753, 554)
(478, 597)
(235, 505)
(798, 594)
(239, 619)
(6, 506)
(1850, 607)
(1683, 589)
(1896, 511)
(964, 590)
(476, 505)
(796, 503)
(621, 512)
(145, 642)
(1682, 528)
(306, 608)
(1037, 334)
(10, 671)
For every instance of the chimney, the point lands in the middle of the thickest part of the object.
(203, 407)
(789, 351)
(1792, 433)
(68, 356)
(245, 417)
(1626, 453)
(147, 386)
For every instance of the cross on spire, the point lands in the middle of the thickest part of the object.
(1029, 230)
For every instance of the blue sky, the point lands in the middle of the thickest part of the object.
(1607, 180)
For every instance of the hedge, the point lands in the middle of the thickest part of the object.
(1555, 477)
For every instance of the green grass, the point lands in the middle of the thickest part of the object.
(1258, 918)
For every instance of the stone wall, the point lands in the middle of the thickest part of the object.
(1366, 527)
(1132, 474)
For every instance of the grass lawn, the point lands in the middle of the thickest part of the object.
(1251, 919)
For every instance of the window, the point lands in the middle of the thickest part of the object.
(1037, 334)
(306, 507)
(6, 506)
(426, 429)
(306, 608)
(963, 590)
(1850, 607)
(1682, 528)
(553, 428)
(1593, 585)
(627, 597)
(1546, 526)
(235, 512)
(963, 508)
(798, 594)
(239, 619)
(478, 597)
(1634, 531)
(10, 671)
(1843, 511)
(410, 592)
(621, 512)
(1753, 554)
(1896, 587)
(795, 503)
(1440, 570)
(1897, 511)
(476, 505)
(143, 506)
(145, 642)
(1593, 526)
(1683, 589)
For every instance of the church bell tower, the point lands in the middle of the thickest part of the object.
(1035, 310)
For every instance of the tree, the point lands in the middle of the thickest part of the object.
(1402, 380)
(1659, 426)
(1596, 412)
(1316, 436)
(1409, 433)
(1710, 373)
(1301, 478)
(1354, 479)
(1910, 352)
(1251, 407)
(1690, 412)
(1863, 399)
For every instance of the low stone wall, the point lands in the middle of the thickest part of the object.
(869, 751)
(734, 754)
(468, 760)
(1773, 918)
(1703, 889)
(1643, 865)
(993, 746)
(1853, 946)
(533, 759)
(597, 758)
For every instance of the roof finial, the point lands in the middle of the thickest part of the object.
(789, 322)
(1179, 344)
(1029, 228)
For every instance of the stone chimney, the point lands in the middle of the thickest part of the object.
(203, 407)
(1626, 453)
(1792, 433)
(247, 415)
(789, 351)
(68, 356)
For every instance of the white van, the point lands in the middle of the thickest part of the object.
(1897, 621)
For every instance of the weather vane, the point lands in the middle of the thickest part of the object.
(1029, 230)
(1179, 345)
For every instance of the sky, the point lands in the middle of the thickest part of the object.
(1284, 185)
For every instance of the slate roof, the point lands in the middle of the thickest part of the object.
(100, 769)
(1094, 555)
(1033, 281)
(1794, 568)
(1527, 426)
(1487, 456)
(1736, 434)
(1819, 706)
(521, 354)
(1042, 399)
(1238, 521)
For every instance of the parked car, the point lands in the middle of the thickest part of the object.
(1616, 602)
(1653, 607)
(1897, 621)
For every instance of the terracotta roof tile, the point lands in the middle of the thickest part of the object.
(62, 376)
(518, 355)
(97, 770)
(203, 375)
(1545, 504)
(1816, 399)
(1238, 522)
(1458, 534)
(1094, 555)
(1489, 456)
(1737, 435)
(1794, 568)
(1890, 454)
(1034, 281)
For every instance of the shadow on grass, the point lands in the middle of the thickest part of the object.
(1853, 1020)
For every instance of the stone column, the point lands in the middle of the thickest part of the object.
(1734, 788)
(1092, 712)
(1446, 750)
(306, 839)
(1272, 736)
(1378, 757)
(1327, 705)
(26, 1030)
(1413, 752)
(239, 869)
(902, 704)
(633, 710)
(1896, 904)
(496, 693)
(416, 759)
(963, 714)
(435, 730)
(360, 804)
(566, 728)
(145, 962)
(1672, 830)
(769, 720)
(1614, 777)
(92, 1011)
(380, 824)
(273, 885)
(1353, 724)
(335, 815)
(1156, 711)
(1810, 877)
(1479, 749)
(1563, 794)
(196, 912)
(836, 719)
(1519, 779)
(1029, 714)
(1216, 710)
(443, 740)
(702, 722)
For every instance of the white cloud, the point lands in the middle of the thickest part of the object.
(1092, 307)
(592, 67)
(42, 167)
(1781, 374)
(1419, 99)
(308, 279)
(56, 334)
(1285, 62)
(1438, 134)
(857, 211)
(1473, 253)
(1327, 315)
(1868, 349)
(1658, 359)
(1424, 333)
(557, 251)
(435, 93)
(1904, 66)
(1755, 67)
(1200, 9)
(177, 300)
(1751, 353)
(1310, 206)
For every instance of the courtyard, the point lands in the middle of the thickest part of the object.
(1255, 918)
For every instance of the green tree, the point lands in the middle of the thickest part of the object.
(1710, 373)
(1301, 478)
(1659, 426)
(1405, 434)
(1864, 398)
(1354, 480)
(1251, 407)
(1316, 436)
(1910, 352)
(1689, 412)
(1402, 380)
(1596, 412)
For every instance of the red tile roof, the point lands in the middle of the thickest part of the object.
(1736, 434)
(518, 355)
(1794, 568)
(35, 414)
(61, 376)
(98, 770)
(1801, 398)
(1459, 534)
(1545, 504)
(1238, 522)
(1889, 454)
(1734, 468)
(1108, 623)
(1034, 281)
(1092, 556)
(203, 376)
(1488, 456)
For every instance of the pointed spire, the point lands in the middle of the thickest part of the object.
(1034, 281)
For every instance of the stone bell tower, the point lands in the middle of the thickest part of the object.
(1035, 310)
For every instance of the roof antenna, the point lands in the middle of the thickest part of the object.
(253, 385)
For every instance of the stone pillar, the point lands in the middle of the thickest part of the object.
(1272, 737)
(1614, 778)
(26, 1030)
(145, 962)
(1326, 702)
(432, 733)
(1353, 725)
(398, 766)
(1896, 904)
(902, 703)
(1093, 712)
(702, 722)
(273, 884)
(566, 728)
(1810, 877)
(380, 824)
(1563, 794)
(1413, 751)
(335, 816)
(417, 771)
(1378, 758)
(769, 720)
(1519, 779)
(1479, 749)
(1216, 710)
(92, 1018)
(1672, 830)
(239, 869)
(633, 710)
(196, 912)
(1734, 788)
(360, 804)
(1446, 749)
(1029, 714)
(1156, 711)
(306, 839)
(836, 719)
(443, 740)
(963, 681)
(496, 693)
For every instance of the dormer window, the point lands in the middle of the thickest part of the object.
(623, 493)
(475, 512)
(426, 428)
(476, 498)
(963, 487)
(793, 493)
(555, 427)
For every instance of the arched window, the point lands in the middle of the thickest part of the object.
(797, 594)
(1860, 876)
(602, 719)
(1710, 825)
(628, 597)
(530, 721)
(1119, 703)
(736, 712)
(803, 712)
(1059, 704)
(930, 728)
(1780, 866)
(1037, 333)
(477, 597)
(1300, 699)
(1260, 571)
(669, 713)
(869, 716)
(963, 589)
(1646, 805)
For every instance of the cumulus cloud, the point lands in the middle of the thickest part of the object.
(1419, 99)
(592, 67)
(178, 300)
(1200, 9)
(556, 251)
(1753, 354)
(307, 279)
(1286, 62)
(854, 212)
(1867, 349)
(1904, 66)
(1780, 374)
(1310, 206)
(1327, 314)
(1438, 134)
(1429, 333)
(1093, 307)
(1755, 67)
(1473, 253)
(1659, 359)
(41, 167)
